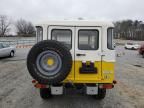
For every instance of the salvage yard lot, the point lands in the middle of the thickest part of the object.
(16, 90)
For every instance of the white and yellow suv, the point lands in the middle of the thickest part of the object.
(76, 54)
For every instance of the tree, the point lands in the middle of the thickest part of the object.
(4, 25)
(128, 29)
(24, 28)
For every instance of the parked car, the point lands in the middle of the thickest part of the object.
(132, 46)
(141, 50)
(7, 50)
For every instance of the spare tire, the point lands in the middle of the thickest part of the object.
(49, 62)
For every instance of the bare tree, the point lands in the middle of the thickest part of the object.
(4, 25)
(128, 29)
(24, 27)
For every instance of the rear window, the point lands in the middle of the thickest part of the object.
(110, 44)
(88, 39)
(39, 32)
(63, 35)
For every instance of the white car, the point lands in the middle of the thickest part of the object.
(132, 46)
(7, 50)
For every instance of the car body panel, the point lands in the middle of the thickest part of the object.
(132, 46)
(5, 50)
(107, 74)
(103, 58)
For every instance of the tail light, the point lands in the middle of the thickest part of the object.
(106, 86)
(37, 85)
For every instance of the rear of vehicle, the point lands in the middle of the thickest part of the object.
(73, 54)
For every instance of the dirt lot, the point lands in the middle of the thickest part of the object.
(16, 90)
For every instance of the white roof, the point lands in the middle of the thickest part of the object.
(76, 23)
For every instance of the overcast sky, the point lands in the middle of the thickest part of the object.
(39, 10)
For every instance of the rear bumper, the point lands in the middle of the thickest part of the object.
(101, 85)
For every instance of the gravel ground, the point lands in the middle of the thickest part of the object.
(16, 90)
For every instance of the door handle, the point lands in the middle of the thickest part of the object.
(81, 54)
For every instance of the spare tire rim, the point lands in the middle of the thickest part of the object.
(49, 63)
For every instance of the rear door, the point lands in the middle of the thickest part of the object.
(65, 35)
(88, 54)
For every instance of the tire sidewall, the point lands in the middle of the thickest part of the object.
(11, 54)
(44, 46)
(37, 70)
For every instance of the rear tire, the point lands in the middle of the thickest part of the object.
(132, 48)
(101, 93)
(41, 70)
(45, 93)
(12, 54)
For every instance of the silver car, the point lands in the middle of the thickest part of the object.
(7, 50)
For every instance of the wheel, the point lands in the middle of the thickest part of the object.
(101, 94)
(45, 93)
(12, 54)
(133, 48)
(49, 62)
